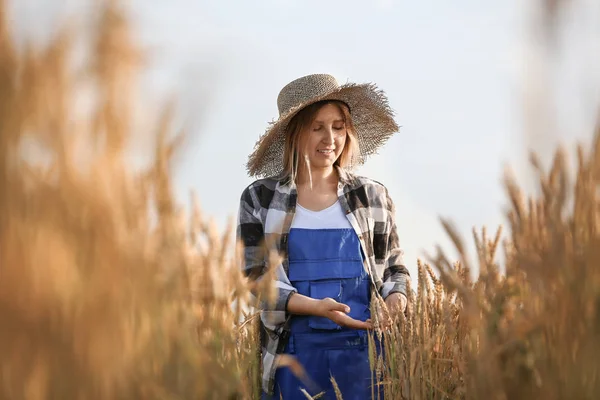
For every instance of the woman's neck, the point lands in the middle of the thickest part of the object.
(318, 177)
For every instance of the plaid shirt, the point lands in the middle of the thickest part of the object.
(266, 212)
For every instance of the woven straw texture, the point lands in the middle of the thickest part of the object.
(372, 117)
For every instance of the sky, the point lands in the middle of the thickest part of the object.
(462, 77)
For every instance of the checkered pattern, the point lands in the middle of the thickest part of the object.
(266, 212)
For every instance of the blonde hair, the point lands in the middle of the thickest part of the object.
(304, 118)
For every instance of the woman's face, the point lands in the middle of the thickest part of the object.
(325, 138)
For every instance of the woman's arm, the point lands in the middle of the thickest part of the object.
(250, 232)
(328, 308)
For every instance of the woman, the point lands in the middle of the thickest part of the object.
(335, 232)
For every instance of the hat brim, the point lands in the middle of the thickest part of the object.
(372, 118)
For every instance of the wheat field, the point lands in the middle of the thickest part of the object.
(108, 290)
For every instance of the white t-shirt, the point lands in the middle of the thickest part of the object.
(333, 217)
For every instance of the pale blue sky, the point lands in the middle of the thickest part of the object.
(454, 73)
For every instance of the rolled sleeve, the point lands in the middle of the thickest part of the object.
(395, 273)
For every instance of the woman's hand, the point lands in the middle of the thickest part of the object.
(396, 304)
(337, 312)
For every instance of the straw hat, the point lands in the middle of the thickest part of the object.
(372, 118)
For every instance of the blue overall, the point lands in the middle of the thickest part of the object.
(328, 263)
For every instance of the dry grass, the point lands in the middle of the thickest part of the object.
(105, 291)
(108, 291)
(533, 332)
